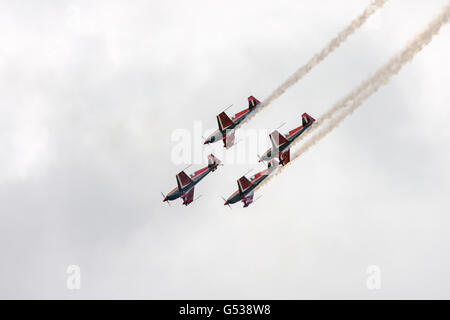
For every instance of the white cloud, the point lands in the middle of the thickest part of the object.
(86, 119)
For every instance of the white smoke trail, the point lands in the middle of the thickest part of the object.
(351, 102)
(317, 58)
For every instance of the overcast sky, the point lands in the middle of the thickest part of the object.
(92, 91)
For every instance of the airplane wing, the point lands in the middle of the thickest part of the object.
(285, 157)
(248, 199)
(188, 197)
(224, 122)
(228, 139)
(277, 139)
(243, 184)
(183, 180)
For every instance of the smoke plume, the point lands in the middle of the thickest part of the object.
(346, 106)
(317, 58)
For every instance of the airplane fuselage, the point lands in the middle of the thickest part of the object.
(217, 135)
(255, 180)
(291, 138)
(196, 178)
(270, 154)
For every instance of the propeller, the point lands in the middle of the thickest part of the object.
(198, 197)
(259, 158)
(227, 203)
(208, 144)
(167, 200)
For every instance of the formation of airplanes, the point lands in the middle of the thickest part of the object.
(226, 133)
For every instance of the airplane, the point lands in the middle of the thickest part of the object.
(227, 125)
(281, 143)
(246, 186)
(185, 188)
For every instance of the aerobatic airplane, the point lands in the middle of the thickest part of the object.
(246, 186)
(185, 188)
(281, 143)
(227, 125)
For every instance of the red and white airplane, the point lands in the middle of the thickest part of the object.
(227, 125)
(245, 192)
(185, 188)
(281, 143)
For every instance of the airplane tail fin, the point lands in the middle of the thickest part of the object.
(252, 102)
(277, 139)
(307, 119)
(213, 162)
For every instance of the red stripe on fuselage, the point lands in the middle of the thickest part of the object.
(196, 173)
(294, 131)
(237, 115)
(259, 174)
